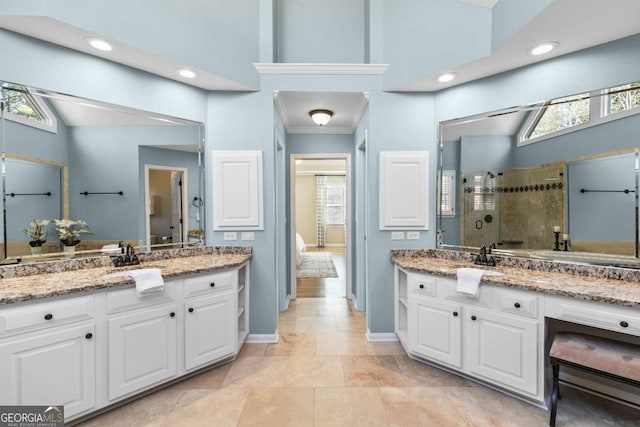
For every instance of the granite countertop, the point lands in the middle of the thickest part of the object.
(17, 289)
(620, 292)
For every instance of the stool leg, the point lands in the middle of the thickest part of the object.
(555, 392)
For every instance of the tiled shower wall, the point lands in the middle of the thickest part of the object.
(517, 208)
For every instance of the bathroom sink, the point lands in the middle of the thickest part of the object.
(485, 271)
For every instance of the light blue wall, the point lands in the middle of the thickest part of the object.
(28, 177)
(245, 121)
(606, 137)
(40, 144)
(426, 37)
(47, 66)
(598, 67)
(397, 122)
(106, 159)
(511, 15)
(361, 211)
(328, 31)
(602, 216)
(166, 28)
(486, 152)
(282, 213)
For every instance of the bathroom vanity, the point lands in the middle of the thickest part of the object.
(499, 337)
(85, 339)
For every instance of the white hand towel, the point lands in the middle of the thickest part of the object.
(148, 280)
(469, 281)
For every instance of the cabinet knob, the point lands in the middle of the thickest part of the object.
(191, 310)
(516, 305)
(48, 316)
(455, 314)
(212, 284)
(473, 317)
(421, 286)
(89, 336)
(624, 324)
(172, 314)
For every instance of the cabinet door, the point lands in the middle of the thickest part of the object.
(434, 330)
(502, 349)
(56, 367)
(210, 328)
(142, 349)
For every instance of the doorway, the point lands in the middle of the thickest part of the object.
(166, 189)
(320, 213)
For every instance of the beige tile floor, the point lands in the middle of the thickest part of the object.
(323, 372)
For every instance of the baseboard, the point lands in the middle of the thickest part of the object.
(262, 338)
(381, 336)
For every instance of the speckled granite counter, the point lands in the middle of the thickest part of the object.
(604, 284)
(91, 277)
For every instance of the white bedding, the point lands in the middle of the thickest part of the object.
(300, 247)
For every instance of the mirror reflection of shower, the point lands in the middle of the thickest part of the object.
(498, 207)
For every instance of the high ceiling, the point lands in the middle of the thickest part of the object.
(574, 24)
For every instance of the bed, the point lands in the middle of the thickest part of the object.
(300, 248)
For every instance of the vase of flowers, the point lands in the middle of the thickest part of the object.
(69, 232)
(38, 234)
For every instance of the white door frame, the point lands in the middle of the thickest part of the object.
(362, 214)
(185, 201)
(292, 214)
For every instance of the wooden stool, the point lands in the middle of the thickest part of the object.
(601, 356)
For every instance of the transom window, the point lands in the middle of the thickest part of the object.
(563, 115)
(22, 106)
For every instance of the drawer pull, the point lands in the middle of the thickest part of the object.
(89, 336)
(473, 317)
(212, 284)
(516, 305)
(455, 314)
(421, 286)
(624, 324)
(190, 310)
(48, 316)
(172, 314)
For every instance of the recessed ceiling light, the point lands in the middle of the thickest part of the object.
(99, 44)
(543, 48)
(446, 77)
(187, 73)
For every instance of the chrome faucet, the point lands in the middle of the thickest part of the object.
(129, 257)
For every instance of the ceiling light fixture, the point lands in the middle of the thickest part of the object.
(99, 44)
(446, 77)
(187, 73)
(321, 117)
(543, 48)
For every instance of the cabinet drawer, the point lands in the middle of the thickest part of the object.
(600, 315)
(46, 314)
(447, 289)
(517, 302)
(128, 299)
(423, 285)
(207, 283)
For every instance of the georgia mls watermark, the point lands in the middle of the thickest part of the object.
(32, 416)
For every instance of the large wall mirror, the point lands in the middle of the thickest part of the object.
(132, 176)
(565, 170)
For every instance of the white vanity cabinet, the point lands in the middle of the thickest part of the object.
(87, 352)
(47, 354)
(210, 318)
(497, 337)
(142, 349)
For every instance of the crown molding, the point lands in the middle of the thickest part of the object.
(321, 69)
(280, 109)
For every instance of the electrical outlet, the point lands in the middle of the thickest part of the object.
(247, 235)
(230, 235)
(397, 235)
(413, 235)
